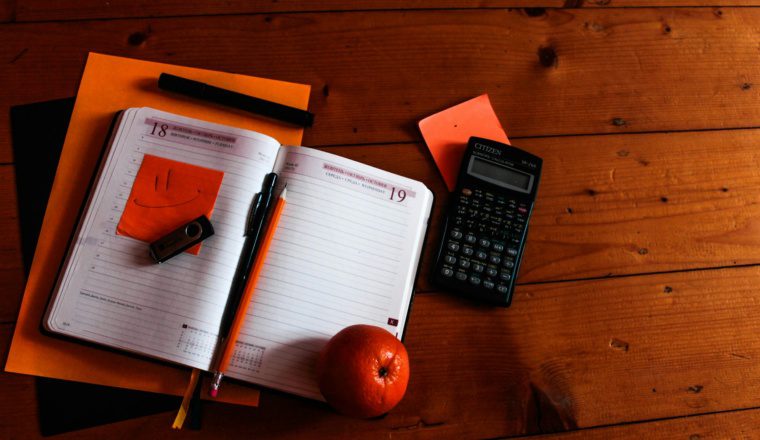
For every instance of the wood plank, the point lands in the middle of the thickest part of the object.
(649, 347)
(18, 402)
(733, 424)
(607, 205)
(11, 270)
(577, 354)
(665, 3)
(566, 71)
(7, 10)
(52, 10)
(49, 10)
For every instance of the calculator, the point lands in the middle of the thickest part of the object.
(487, 221)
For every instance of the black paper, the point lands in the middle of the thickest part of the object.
(38, 132)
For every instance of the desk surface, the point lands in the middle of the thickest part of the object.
(637, 309)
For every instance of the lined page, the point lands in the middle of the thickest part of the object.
(112, 292)
(345, 252)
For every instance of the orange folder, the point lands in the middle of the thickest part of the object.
(110, 84)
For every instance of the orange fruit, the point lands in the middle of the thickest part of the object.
(363, 371)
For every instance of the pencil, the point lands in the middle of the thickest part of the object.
(237, 323)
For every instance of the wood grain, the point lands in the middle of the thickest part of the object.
(622, 204)
(52, 10)
(741, 424)
(607, 205)
(18, 403)
(566, 355)
(11, 271)
(665, 3)
(46, 10)
(7, 10)
(555, 360)
(563, 72)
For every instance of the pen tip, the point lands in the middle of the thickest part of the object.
(283, 193)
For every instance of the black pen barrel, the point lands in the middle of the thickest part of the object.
(218, 95)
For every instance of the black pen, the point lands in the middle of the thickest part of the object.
(218, 95)
(253, 234)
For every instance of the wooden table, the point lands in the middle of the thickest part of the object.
(638, 307)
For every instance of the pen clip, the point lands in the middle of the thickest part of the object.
(252, 213)
(260, 204)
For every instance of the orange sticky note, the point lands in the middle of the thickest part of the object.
(446, 133)
(167, 194)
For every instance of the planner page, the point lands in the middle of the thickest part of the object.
(345, 252)
(110, 291)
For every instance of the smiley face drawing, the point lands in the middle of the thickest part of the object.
(167, 194)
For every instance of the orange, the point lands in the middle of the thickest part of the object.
(363, 371)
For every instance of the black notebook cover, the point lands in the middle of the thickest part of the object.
(38, 132)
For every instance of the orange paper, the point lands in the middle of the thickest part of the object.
(446, 133)
(111, 84)
(167, 194)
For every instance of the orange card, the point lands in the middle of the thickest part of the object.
(446, 133)
(166, 195)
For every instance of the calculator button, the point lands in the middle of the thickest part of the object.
(450, 259)
(512, 251)
(469, 238)
(467, 191)
(484, 243)
(498, 247)
(522, 210)
(461, 276)
(504, 275)
(492, 271)
(467, 250)
(456, 235)
(478, 267)
(447, 272)
(453, 247)
(488, 285)
(464, 264)
(474, 280)
(509, 263)
(481, 255)
(495, 259)
(501, 288)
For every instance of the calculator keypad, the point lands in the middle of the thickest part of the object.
(483, 240)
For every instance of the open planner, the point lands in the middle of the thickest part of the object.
(345, 252)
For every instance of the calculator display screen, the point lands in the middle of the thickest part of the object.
(500, 175)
